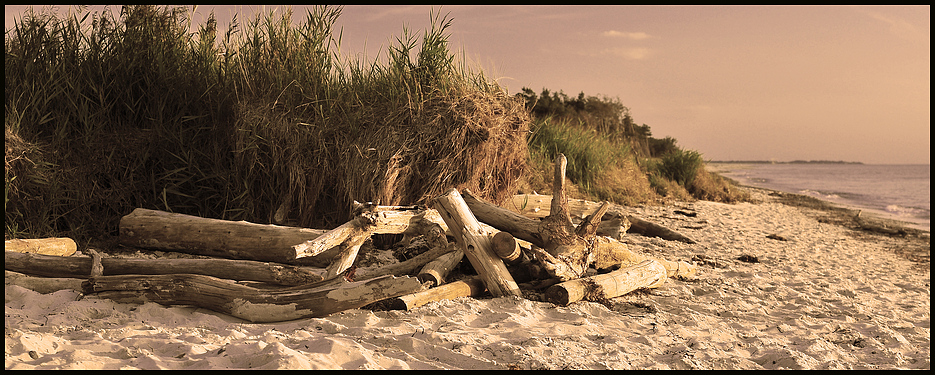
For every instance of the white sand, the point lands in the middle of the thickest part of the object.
(825, 299)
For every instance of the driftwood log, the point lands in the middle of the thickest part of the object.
(537, 206)
(42, 285)
(46, 246)
(80, 267)
(506, 247)
(646, 274)
(248, 303)
(475, 243)
(437, 270)
(564, 250)
(407, 220)
(467, 287)
(151, 229)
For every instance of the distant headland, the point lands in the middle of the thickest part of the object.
(784, 162)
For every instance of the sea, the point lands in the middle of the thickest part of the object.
(898, 192)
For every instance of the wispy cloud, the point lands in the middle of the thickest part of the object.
(629, 53)
(898, 26)
(626, 35)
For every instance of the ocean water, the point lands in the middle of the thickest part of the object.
(900, 192)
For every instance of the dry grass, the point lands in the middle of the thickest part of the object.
(264, 124)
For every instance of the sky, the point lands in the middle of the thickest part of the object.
(782, 83)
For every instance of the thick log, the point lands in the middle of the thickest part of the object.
(647, 274)
(538, 206)
(244, 302)
(506, 247)
(80, 267)
(475, 242)
(151, 229)
(467, 287)
(42, 285)
(609, 253)
(46, 246)
(437, 270)
(505, 220)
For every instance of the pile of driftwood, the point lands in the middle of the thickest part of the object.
(275, 273)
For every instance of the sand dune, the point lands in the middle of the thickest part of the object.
(825, 298)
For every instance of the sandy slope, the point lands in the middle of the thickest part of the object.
(826, 298)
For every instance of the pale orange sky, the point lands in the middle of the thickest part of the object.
(734, 83)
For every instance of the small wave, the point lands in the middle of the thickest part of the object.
(819, 194)
(908, 211)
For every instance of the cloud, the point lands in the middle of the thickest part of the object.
(897, 26)
(620, 34)
(637, 53)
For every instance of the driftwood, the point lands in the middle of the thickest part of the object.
(151, 229)
(252, 304)
(42, 285)
(564, 250)
(646, 274)
(506, 247)
(408, 220)
(467, 287)
(437, 270)
(475, 242)
(46, 246)
(80, 267)
(538, 206)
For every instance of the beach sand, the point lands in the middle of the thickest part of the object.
(809, 293)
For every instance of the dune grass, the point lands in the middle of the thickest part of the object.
(266, 123)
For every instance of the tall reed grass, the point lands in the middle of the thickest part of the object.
(601, 167)
(267, 123)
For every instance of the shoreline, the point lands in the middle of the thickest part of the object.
(879, 217)
(779, 286)
(915, 242)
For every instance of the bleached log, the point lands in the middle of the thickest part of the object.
(538, 206)
(475, 242)
(437, 270)
(244, 302)
(47, 246)
(647, 274)
(505, 220)
(467, 287)
(151, 229)
(330, 239)
(42, 285)
(80, 267)
(506, 247)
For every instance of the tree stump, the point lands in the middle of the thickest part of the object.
(564, 250)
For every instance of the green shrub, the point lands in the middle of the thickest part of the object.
(680, 166)
(589, 153)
